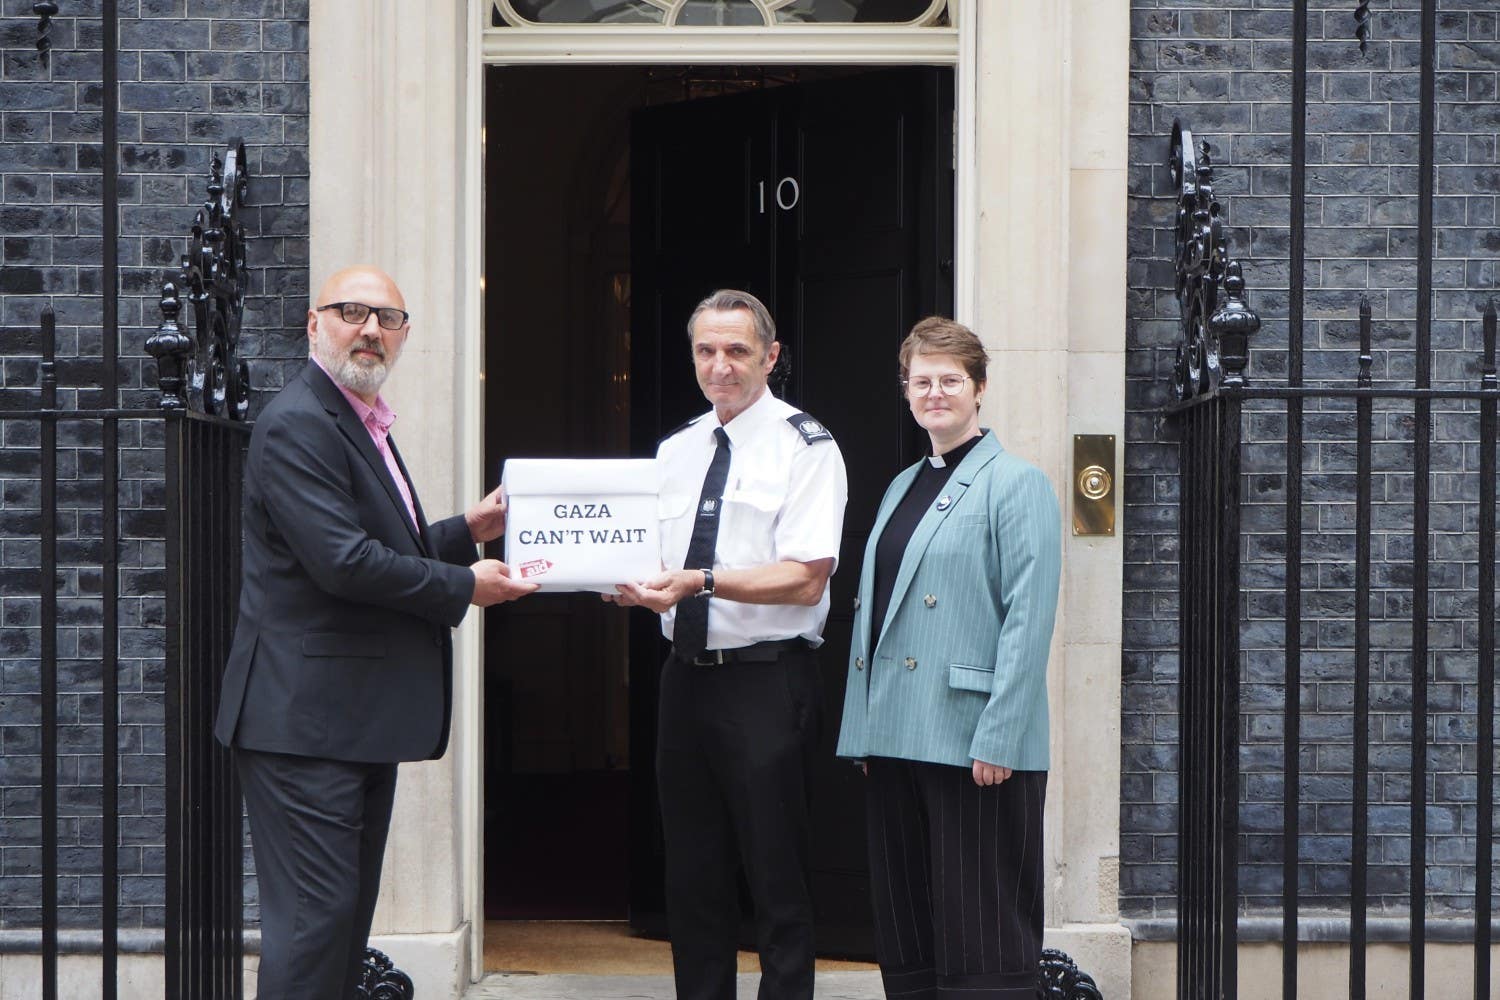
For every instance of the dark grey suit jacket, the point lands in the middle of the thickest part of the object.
(342, 649)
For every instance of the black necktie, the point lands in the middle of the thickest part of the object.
(690, 634)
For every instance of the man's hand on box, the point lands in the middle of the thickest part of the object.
(659, 593)
(486, 519)
(493, 585)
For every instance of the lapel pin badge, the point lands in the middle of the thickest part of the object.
(944, 502)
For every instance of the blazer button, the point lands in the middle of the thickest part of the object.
(859, 663)
(930, 601)
(911, 663)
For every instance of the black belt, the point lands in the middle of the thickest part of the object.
(760, 652)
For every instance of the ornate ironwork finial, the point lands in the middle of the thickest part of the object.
(45, 11)
(1362, 18)
(1214, 348)
(212, 377)
(379, 979)
(1366, 354)
(215, 180)
(1058, 978)
(171, 348)
(1488, 378)
(1232, 325)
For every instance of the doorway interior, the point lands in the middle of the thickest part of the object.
(569, 705)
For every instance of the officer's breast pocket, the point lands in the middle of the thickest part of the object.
(675, 511)
(746, 534)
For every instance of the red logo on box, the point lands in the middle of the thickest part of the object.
(535, 567)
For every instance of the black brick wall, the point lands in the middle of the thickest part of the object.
(1224, 67)
(193, 75)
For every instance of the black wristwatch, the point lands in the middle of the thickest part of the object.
(708, 584)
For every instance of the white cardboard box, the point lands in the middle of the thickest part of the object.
(581, 523)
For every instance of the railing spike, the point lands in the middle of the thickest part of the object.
(1366, 356)
(49, 358)
(1488, 379)
(45, 11)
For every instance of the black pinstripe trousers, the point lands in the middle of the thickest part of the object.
(956, 880)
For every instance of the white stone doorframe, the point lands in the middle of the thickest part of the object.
(396, 145)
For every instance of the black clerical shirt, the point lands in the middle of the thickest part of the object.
(891, 548)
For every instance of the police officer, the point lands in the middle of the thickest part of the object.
(752, 510)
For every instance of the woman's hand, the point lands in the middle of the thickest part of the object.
(989, 774)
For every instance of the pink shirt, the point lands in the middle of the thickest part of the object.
(378, 420)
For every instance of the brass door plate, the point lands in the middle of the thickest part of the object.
(1094, 486)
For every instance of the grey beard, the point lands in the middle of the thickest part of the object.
(365, 380)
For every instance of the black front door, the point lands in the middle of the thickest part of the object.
(832, 202)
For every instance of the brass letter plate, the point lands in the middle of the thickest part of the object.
(1094, 484)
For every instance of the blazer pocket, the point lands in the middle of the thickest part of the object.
(971, 520)
(345, 644)
(966, 677)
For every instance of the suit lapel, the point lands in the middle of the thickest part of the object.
(349, 425)
(416, 504)
(958, 484)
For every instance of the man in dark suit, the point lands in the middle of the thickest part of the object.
(342, 660)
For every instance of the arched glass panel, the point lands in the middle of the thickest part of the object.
(522, 12)
(719, 13)
(861, 12)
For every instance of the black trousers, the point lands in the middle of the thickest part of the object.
(956, 880)
(318, 829)
(733, 749)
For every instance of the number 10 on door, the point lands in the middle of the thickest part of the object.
(788, 193)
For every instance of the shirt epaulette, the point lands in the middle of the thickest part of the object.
(812, 432)
(679, 429)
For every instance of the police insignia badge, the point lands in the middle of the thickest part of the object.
(810, 429)
(709, 505)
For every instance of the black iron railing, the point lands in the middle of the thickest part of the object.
(205, 834)
(1214, 398)
(200, 516)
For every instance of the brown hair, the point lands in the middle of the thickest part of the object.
(940, 335)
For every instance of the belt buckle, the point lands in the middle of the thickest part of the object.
(709, 658)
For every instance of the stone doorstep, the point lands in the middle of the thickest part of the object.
(503, 986)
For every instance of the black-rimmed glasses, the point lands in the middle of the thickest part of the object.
(355, 314)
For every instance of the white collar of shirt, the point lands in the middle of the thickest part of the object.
(762, 410)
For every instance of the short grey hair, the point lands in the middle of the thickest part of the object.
(730, 299)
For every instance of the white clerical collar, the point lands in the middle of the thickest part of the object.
(963, 449)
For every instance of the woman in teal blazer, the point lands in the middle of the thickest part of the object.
(946, 702)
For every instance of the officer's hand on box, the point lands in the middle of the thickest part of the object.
(660, 593)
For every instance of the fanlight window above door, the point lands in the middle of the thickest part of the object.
(720, 13)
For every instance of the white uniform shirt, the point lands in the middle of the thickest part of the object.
(784, 499)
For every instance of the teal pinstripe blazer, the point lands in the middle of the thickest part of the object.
(958, 670)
